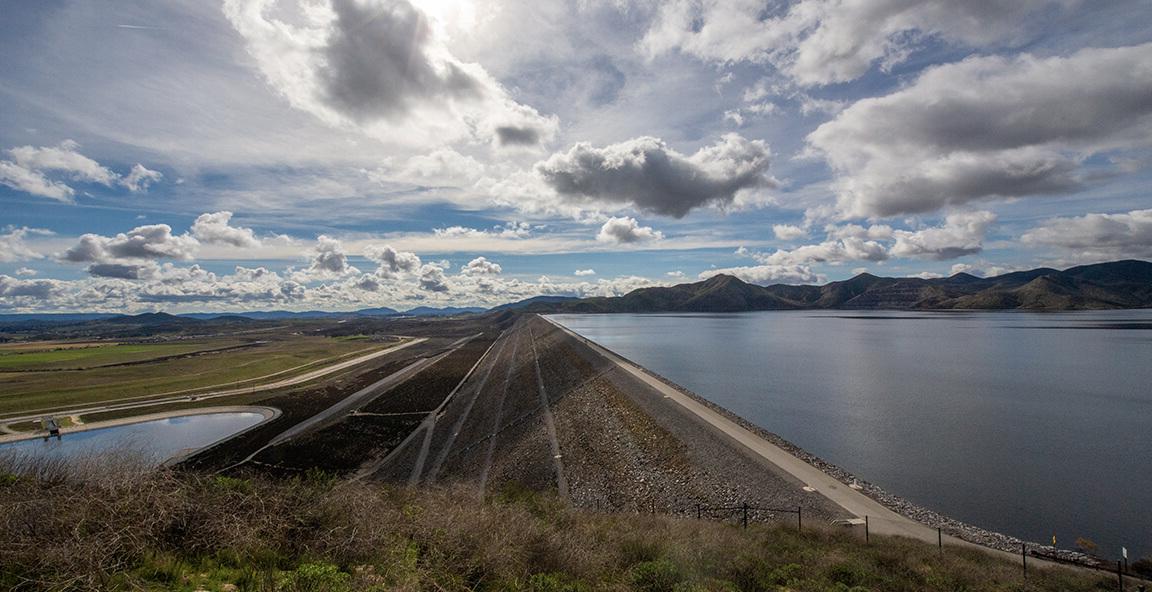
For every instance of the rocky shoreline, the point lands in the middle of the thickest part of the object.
(950, 526)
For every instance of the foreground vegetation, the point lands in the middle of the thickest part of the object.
(173, 531)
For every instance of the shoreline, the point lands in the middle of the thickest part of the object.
(959, 530)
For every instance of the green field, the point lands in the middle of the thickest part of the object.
(25, 391)
(56, 356)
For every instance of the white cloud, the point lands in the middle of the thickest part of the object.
(675, 274)
(65, 159)
(26, 271)
(770, 274)
(140, 178)
(328, 260)
(831, 251)
(382, 67)
(961, 234)
(1097, 236)
(511, 230)
(647, 174)
(29, 170)
(584, 272)
(391, 263)
(150, 242)
(481, 266)
(988, 127)
(14, 248)
(214, 229)
(788, 232)
(818, 42)
(627, 230)
(33, 292)
(432, 278)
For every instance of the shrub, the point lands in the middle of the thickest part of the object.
(656, 576)
(314, 577)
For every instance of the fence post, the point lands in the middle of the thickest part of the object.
(698, 512)
(745, 514)
(1119, 576)
(940, 539)
(1024, 556)
(799, 519)
(867, 537)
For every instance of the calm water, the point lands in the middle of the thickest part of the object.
(1030, 424)
(159, 439)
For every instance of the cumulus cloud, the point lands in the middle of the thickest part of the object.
(961, 234)
(818, 42)
(1097, 235)
(30, 167)
(391, 263)
(481, 266)
(510, 230)
(831, 251)
(140, 178)
(214, 229)
(647, 174)
(788, 231)
(16, 290)
(26, 271)
(380, 66)
(328, 259)
(770, 274)
(584, 272)
(150, 242)
(988, 127)
(626, 230)
(432, 278)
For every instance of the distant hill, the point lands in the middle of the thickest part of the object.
(427, 311)
(1119, 284)
(533, 300)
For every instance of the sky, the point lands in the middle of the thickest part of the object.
(197, 155)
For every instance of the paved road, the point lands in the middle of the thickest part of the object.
(291, 381)
(882, 520)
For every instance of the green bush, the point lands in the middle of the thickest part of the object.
(314, 577)
(656, 576)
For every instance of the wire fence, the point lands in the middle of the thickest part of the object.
(744, 514)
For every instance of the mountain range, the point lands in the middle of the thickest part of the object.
(1118, 284)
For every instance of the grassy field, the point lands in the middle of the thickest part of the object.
(90, 355)
(183, 532)
(21, 391)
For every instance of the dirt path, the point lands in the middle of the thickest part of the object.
(549, 423)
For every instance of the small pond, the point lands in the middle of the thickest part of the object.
(156, 440)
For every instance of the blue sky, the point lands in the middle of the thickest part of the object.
(338, 154)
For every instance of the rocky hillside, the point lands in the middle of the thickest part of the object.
(1119, 284)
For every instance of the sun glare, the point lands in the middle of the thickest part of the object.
(449, 15)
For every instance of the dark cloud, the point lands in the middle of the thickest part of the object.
(378, 63)
(154, 241)
(649, 175)
(117, 270)
(507, 135)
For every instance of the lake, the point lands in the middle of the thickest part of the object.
(156, 440)
(1031, 424)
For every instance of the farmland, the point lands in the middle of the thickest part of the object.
(62, 377)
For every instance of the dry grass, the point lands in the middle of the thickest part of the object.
(171, 531)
